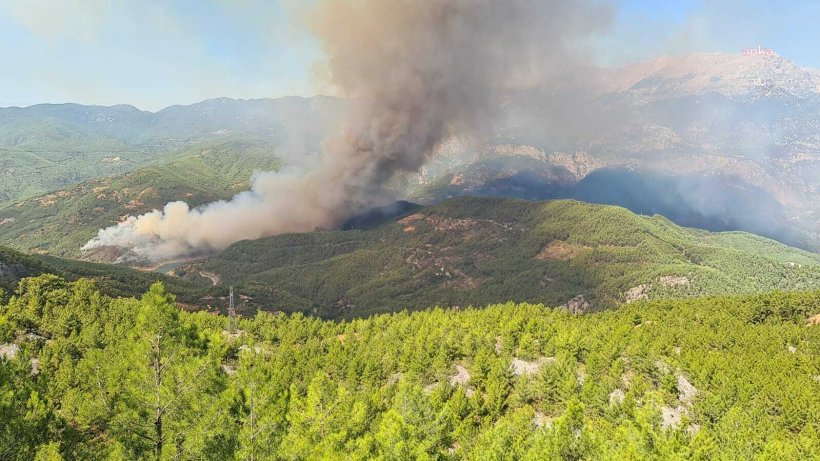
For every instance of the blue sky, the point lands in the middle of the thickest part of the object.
(153, 53)
(642, 29)
(150, 53)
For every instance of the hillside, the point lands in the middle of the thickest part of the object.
(473, 251)
(715, 202)
(48, 147)
(112, 280)
(60, 223)
(748, 125)
(15, 266)
(698, 379)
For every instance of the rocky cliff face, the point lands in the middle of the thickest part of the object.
(753, 120)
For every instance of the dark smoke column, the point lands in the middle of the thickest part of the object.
(416, 72)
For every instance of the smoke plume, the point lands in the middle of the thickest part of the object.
(415, 73)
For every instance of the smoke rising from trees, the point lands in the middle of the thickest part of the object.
(415, 73)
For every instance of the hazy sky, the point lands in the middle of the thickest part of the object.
(152, 53)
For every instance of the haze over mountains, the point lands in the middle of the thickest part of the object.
(710, 140)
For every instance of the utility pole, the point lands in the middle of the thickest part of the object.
(231, 313)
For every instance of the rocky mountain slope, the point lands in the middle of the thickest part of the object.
(751, 120)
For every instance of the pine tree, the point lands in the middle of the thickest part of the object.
(167, 378)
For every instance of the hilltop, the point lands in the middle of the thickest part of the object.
(474, 251)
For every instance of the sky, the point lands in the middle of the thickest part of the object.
(156, 53)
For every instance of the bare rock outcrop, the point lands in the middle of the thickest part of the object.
(616, 397)
(637, 293)
(577, 305)
(673, 281)
(523, 368)
(461, 377)
(671, 417)
(9, 350)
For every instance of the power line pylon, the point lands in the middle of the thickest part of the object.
(231, 313)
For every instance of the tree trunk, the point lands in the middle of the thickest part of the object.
(158, 435)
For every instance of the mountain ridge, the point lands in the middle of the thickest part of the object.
(468, 251)
(769, 141)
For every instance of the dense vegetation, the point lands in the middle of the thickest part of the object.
(37, 156)
(459, 253)
(112, 280)
(61, 223)
(84, 376)
(474, 251)
(15, 266)
(49, 147)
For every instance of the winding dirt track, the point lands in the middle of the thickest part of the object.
(210, 276)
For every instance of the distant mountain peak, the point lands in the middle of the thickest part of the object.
(729, 74)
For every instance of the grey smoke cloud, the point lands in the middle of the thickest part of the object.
(416, 73)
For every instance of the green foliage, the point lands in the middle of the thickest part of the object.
(474, 251)
(50, 147)
(112, 280)
(15, 266)
(116, 378)
(61, 223)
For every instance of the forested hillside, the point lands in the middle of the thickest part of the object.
(84, 376)
(50, 147)
(112, 280)
(61, 223)
(465, 251)
(474, 251)
(15, 266)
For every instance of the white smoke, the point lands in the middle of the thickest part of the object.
(415, 73)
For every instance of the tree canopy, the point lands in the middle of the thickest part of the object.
(87, 376)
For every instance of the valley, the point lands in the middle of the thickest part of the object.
(111, 280)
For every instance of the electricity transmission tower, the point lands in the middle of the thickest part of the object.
(231, 313)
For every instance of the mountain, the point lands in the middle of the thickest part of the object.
(728, 74)
(715, 202)
(48, 147)
(684, 134)
(748, 121)
(473, 251)
(60, 223)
